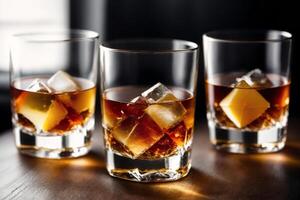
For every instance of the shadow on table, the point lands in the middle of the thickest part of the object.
(65, 177)
(66, 170)
(191, 187)
(291, 154)
(213, 179)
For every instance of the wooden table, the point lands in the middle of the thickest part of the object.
(214, 175)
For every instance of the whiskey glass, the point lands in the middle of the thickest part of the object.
(247, 89)
(148, 102)
(52, 80)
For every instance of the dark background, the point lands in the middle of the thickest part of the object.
(182, 19)
(189, 19)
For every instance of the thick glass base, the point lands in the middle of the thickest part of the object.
(240, 141)
(162, 170)
(75, 144)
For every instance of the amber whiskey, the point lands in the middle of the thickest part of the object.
(132, 130)
(52, 122)
(245, 116)
(142, 131)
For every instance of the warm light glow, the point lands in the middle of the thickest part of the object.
(187, 189)
(287, 101)
(86, 162)
(278, 158)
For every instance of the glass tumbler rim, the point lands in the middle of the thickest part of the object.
(56, 36)
(182, 45)
(248, 36)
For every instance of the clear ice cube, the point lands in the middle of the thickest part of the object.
(138, 135)
(143, 136)
(166, 116)
(166, 110)
(156, 92)
(44, 112)
(38, 85)
(139, 100)
(255, 78)
(136, 107)
(62, 82)
(80, 102)
(122, 131)
(113, 114)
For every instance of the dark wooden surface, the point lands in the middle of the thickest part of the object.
(214, 175)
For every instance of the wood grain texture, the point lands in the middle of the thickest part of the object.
(214, 175)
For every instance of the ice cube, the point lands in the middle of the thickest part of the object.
(156, 92)
(112, 113)
(242, 84)
(256, 78)
(139, 100)
(166, 116)
(55, 114)
(168, 111)
(143, 136)
(136, 107)
(137, 135)
(124, 129)
(44, 112)
(80, 102)
(38, 85)
(62, 82)
(244, 104)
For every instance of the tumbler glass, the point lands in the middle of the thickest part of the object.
(247, 89)
(148, 102)
(52, 79)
